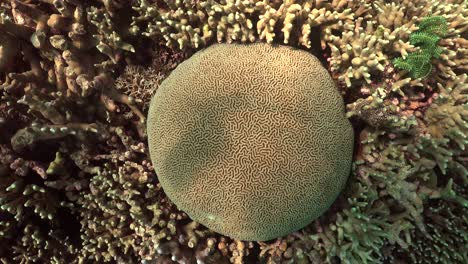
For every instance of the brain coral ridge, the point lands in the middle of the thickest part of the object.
(250, 140)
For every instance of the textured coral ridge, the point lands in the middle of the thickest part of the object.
(240, 139)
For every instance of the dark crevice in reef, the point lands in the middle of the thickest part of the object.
(253, 257)
(11, 120)
(41, 151)
(144, 57)
(316, 46)
(72, 225)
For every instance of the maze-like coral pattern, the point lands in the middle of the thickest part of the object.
(250, 140)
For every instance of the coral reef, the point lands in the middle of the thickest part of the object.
(76, 77)
(361, 52)
(215, 145)
(196, 24)
(446, 228)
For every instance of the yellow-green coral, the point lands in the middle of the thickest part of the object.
(448, 115)
(246, 148)
(447, 118)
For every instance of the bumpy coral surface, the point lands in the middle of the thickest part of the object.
(250, 140)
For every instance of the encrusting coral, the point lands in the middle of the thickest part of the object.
(228, 127)
(71, 194)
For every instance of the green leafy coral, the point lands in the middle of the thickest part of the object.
(418, 64)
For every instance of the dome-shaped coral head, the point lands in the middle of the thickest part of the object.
(250, 140)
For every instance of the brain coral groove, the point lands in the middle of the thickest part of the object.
(250, 140)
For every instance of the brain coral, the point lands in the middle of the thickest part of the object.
(250, 140)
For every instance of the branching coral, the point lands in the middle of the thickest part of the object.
(448, 115)
(363, 51)
(446, 237)
(54, 103)
(29, 212)
(125, 214)
(447, 120)
(412, 163)
(360, 51)
(407, 180)
(196, 24)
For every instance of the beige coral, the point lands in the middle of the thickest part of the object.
(358, 52)
(362, 50)
(448, 115)
(186, 24)
(246, 148)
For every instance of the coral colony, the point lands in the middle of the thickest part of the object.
(242, 145)
(233, 131)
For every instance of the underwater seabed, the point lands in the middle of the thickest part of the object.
(78, 184)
